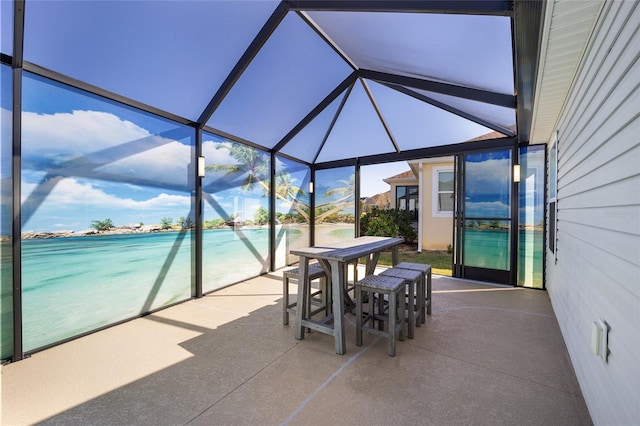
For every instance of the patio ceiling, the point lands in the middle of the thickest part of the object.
(324, 82)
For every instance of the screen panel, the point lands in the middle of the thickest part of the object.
(107, 212)
(170, 55)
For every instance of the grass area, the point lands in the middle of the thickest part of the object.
(440, 261)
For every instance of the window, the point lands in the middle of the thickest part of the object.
(407, 199)
(442, 192)
(553, 201)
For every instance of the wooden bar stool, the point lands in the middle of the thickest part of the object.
(413, 280)
(393, 288)
(319, 300)
(426, 285)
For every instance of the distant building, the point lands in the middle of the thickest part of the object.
(381, 201)
(426, 191)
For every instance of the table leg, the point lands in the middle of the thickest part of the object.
(337, 285)
(394, 255)
(372, 262)
(303, 282)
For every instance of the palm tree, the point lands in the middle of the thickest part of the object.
(254, 163)
(347, 199)
(290, 194)
(249, 160)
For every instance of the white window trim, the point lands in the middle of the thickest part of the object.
(434, 191)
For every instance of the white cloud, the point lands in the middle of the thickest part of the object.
(69, 193)
(83, 133)
(166, 163)
(76, 133)
(488, 177)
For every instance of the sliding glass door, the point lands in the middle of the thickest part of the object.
(483, 217)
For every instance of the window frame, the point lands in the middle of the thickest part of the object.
(435, 192)
(406, 204)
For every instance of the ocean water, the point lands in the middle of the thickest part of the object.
(486, 248)
(233, 256)
(78, 284)
(489, 248)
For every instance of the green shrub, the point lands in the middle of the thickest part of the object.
(388, 223)
(102, 225)
(166, 223)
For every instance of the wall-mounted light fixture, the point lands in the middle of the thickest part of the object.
(600, 339)
(201, 167)
(310, 187)
(516, 173)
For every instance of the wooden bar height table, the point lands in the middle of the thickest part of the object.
(334, 258)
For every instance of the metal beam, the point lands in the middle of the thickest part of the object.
(333, 121)
(449, 108)
(527, 35)
(305, 17)
(16, 178)
(234, 138)
(260, 39)
(317, 110)
(468, 7)
(199, 217)
(380, 116)
(78, 84)
(415, 154)
(508, 101)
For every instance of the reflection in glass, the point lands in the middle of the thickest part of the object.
(531, 216)
(487, 207)
(235, 191)
(292, 209)
(335, 205)
(488, 185)
(486, 244)
(6, 256)
(107, 212)
(407, 200)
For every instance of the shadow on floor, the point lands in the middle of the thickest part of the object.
(487, 355)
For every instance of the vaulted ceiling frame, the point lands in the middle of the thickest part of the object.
(347, 82)
(90, 88)
(485, 96)
(527, 35)
(453, 110)
(305, 17)
(468, 7)
(380, 115)
(245, 60)
(234, 138)
(414, 154)
(333, 122)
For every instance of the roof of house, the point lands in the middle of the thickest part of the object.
(401, 177)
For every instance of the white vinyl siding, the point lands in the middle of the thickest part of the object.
(598, 220)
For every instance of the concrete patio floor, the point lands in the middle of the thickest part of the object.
(488, 355)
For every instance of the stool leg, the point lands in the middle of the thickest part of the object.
(429, 292)
(401, 319)
(358, 316)
(326, 301)
(393, 304)
(411, 306)
(380, 309)
(420, 295)
(285, 300)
